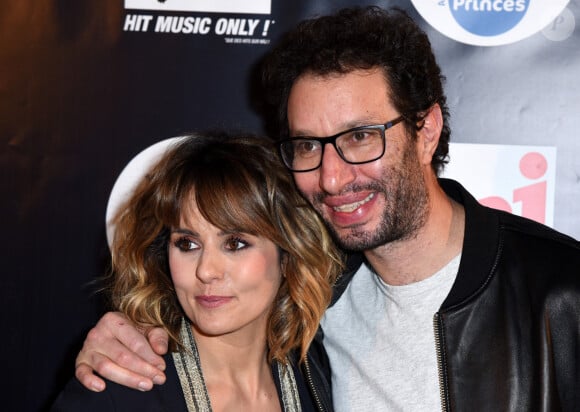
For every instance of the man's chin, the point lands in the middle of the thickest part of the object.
(360, 240)
(353, 240)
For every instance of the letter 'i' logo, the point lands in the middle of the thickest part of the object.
(533, 166)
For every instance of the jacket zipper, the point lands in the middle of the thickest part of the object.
(312, 387)
(440, 363)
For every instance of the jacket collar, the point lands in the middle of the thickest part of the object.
(353, 262)
(480, 245)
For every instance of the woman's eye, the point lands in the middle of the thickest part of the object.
(185, 244)
(235, 243)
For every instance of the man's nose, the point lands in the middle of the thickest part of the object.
(335, 173)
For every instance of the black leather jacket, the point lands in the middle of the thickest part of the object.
(508, 334)
(316, 374)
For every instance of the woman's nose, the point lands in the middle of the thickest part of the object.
(210, 266)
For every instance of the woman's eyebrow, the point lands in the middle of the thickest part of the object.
(183, 231)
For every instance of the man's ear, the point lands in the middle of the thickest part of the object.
(428, 136)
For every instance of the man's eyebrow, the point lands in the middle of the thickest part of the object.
(344, 127)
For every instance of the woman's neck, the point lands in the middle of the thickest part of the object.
(231, 354)
(237, 372)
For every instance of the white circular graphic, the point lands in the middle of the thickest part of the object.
(131, 175)
(489, 22)
(561, 28)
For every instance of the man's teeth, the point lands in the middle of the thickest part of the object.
(353, 206)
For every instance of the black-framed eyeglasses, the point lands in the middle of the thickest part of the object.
(362, 144)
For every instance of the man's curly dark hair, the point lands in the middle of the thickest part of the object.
(362, 38)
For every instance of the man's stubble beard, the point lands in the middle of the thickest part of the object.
(405, 212)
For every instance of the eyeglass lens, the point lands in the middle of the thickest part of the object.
(354, 146)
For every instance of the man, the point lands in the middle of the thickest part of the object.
(450, 305)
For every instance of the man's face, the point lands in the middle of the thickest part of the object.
(365, 205)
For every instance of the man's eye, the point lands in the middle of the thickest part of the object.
(185, 244)
(236, 243)
(305, 147)
(361, 137)
(364, 135)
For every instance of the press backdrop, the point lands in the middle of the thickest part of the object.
(85, 86)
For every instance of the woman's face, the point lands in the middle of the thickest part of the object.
(226, 282)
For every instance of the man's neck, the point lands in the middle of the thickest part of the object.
(434, 245)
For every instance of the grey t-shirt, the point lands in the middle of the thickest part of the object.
(381, 343)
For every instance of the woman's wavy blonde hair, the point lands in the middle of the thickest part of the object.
(238, 183)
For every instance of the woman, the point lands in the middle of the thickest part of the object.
(217, 247)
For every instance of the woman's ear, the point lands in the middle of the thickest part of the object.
(428, 136)
(283, 262)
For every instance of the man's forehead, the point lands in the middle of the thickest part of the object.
(338, 101)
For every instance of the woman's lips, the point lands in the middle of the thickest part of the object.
(212, 302)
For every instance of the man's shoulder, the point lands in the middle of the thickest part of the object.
(492, 225)
(544, 261)
(526, 230)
